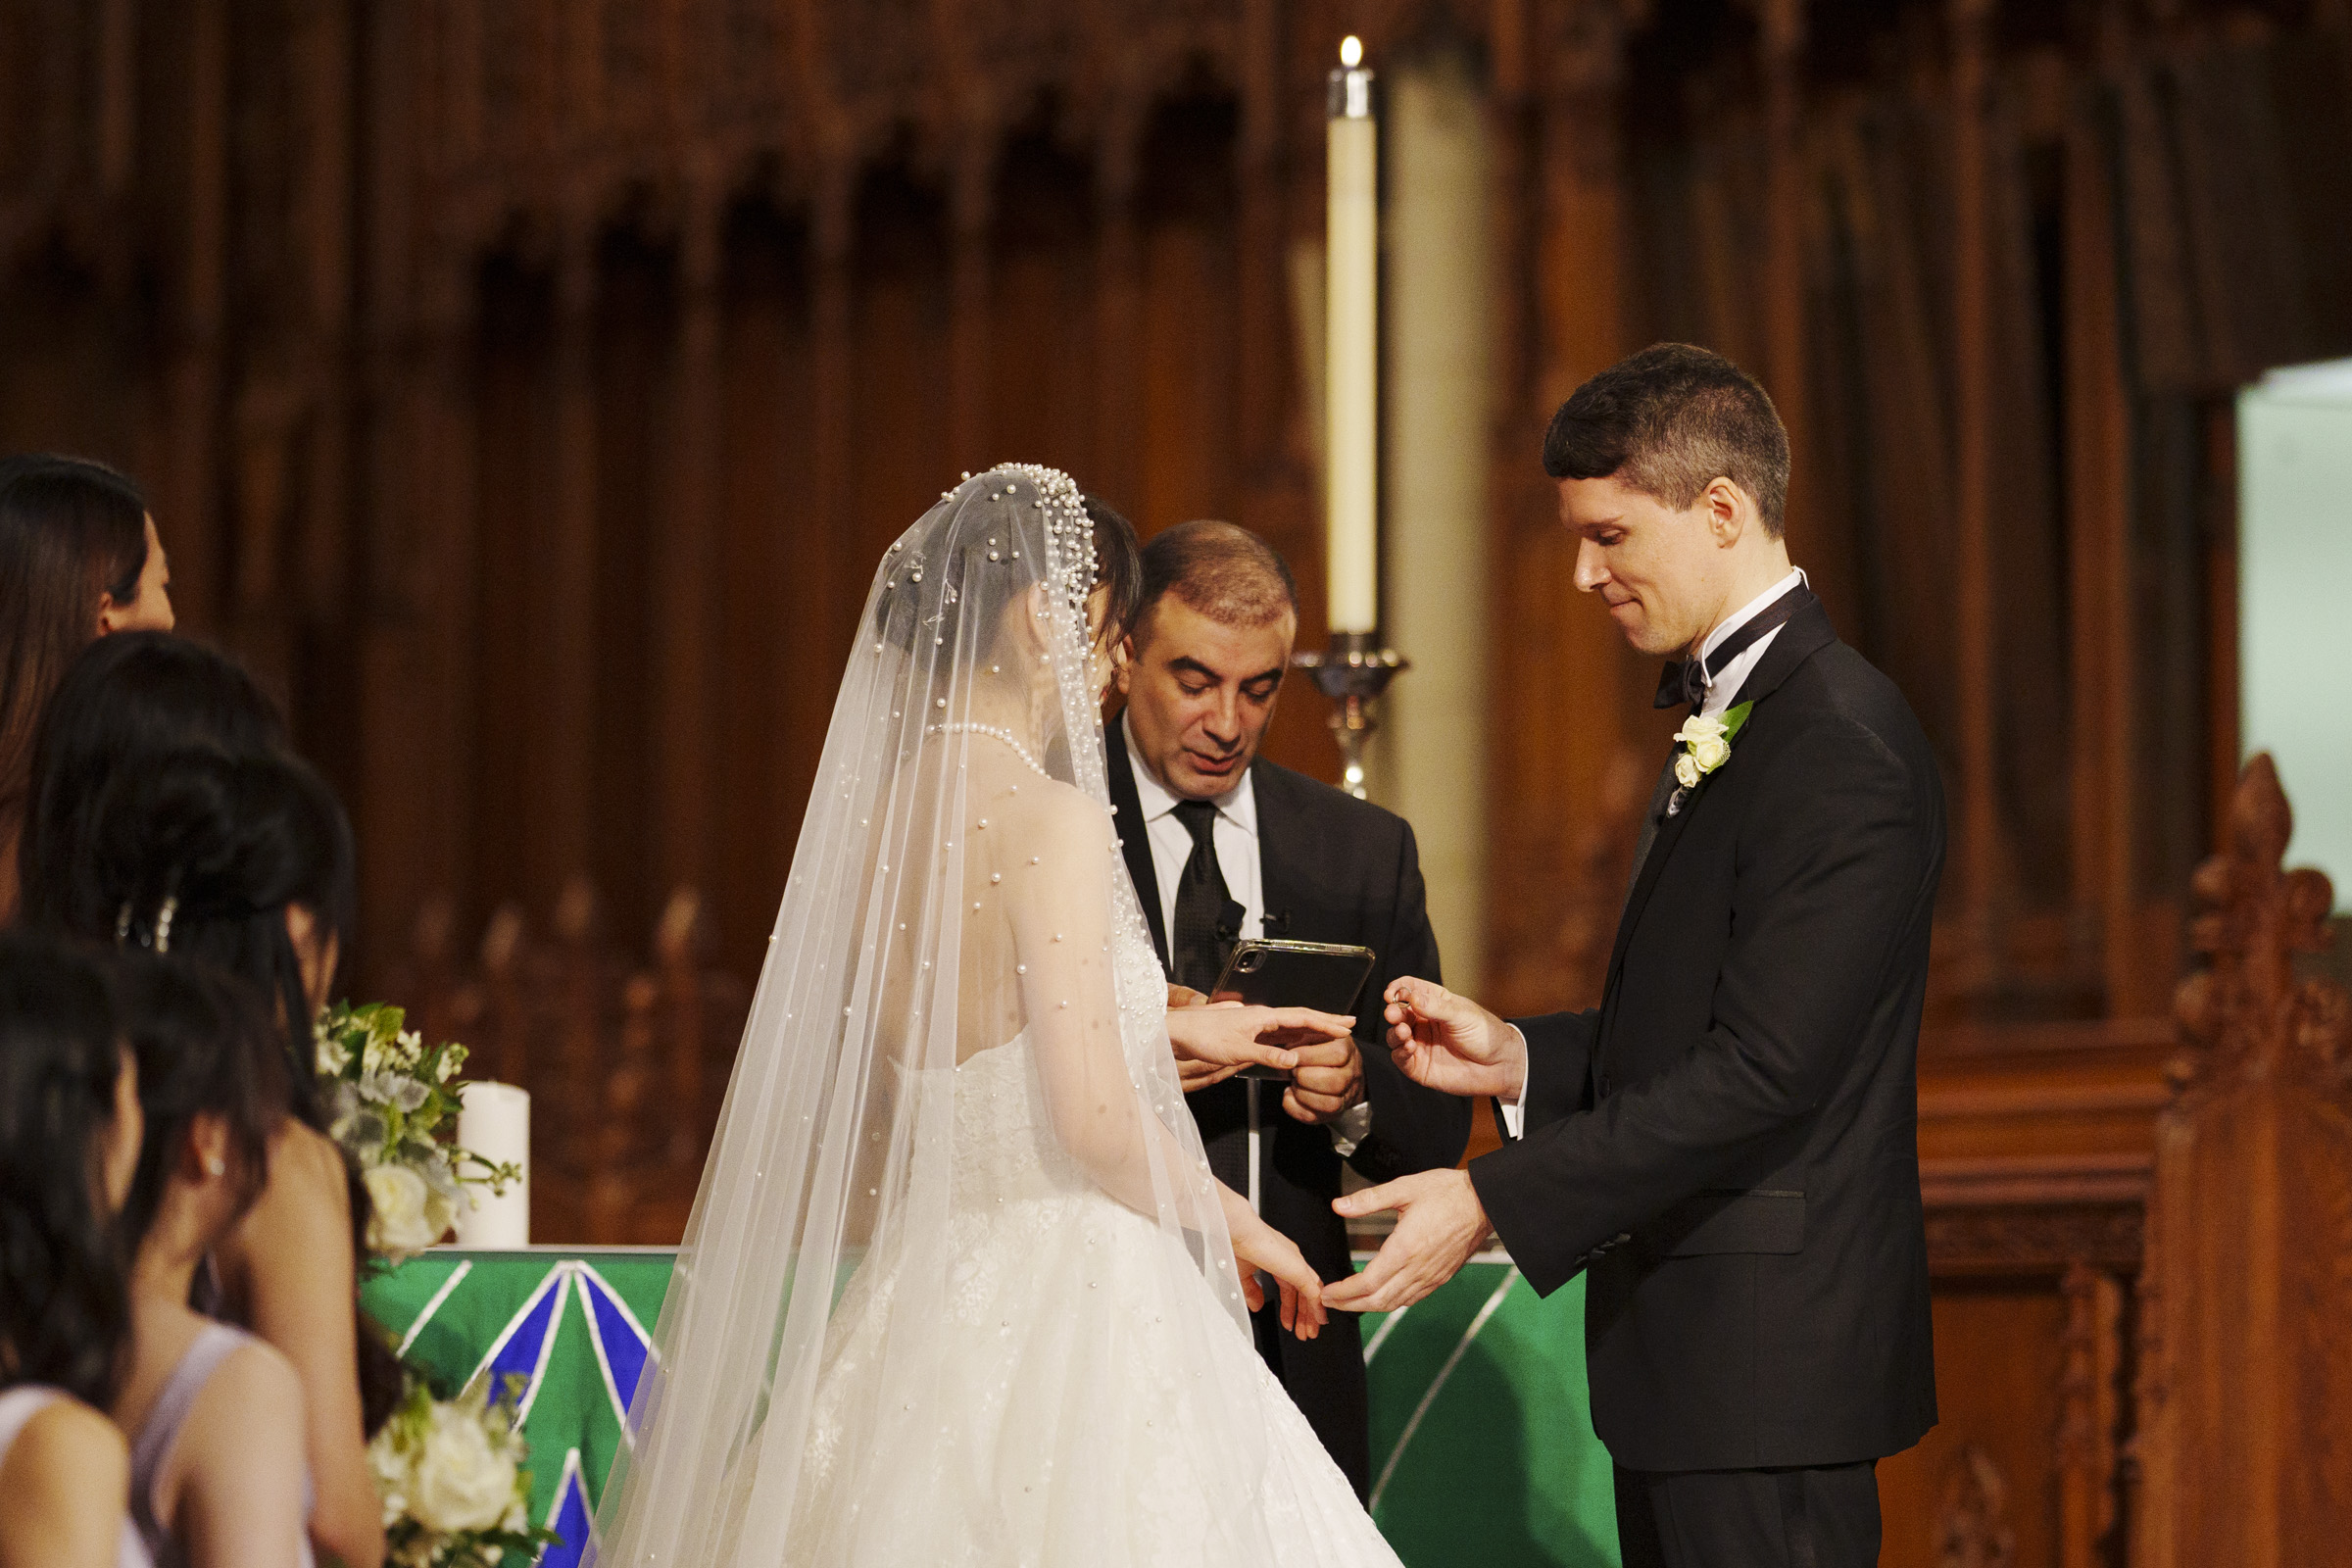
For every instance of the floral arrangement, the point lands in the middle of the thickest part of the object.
(394, 1104)
(452, 1477)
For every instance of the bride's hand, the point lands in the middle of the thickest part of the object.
(1215, 1040)
(1258, 1247)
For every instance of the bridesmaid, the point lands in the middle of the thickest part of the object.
(244, 862)
(69, 1134)
(218, 1478)
(79, 558)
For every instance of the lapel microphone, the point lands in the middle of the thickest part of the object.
(1230, 916)
(1277, 924)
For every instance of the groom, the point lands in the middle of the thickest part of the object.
(1728, 1143)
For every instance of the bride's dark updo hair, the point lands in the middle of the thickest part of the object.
(1001, 555)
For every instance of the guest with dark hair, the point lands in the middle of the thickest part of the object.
(245, 862)
(218, 1476)
(79, 559)
(126, 699)
(69, 1134)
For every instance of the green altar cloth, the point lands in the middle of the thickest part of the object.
(1482, 1448)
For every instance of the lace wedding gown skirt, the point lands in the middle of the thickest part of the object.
(1073, 1422)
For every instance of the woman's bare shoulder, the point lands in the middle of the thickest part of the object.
(254, 1383)
(65, 1467)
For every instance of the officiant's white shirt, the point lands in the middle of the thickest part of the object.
(1235, 839)
(1722, 685)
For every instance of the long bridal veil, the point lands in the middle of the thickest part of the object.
(935, 909)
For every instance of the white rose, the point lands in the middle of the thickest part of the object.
(399, 1197)
(1686, 770)
(1698, 728)
(463, 1481)
(1710, 752)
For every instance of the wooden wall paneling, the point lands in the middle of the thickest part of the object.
(1562, 675)
(1978, 856)
(186, 492)
(1042, 353)
(774, 546)
(410, 801)
(1906, 558)
(559, 829)
(1118, 314)
(638, 331)
(1981, 1489)
(510, 516)
(971, 383)
(2245, 1399)
(1266, 377)
(2025, 217)
(902, 392)
(1188, 371)
(2090, 1397)
(685, 523)
(2098, 493)
(1787, 285)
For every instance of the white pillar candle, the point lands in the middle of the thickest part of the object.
(494, 1121)
(1351, 351)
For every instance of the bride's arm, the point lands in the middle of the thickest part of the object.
(1060, 906)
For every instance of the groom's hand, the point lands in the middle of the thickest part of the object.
(1440, 1224)
(1450, 1043)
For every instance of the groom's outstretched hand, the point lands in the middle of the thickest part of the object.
(1440, 1225)
(1450, 1043)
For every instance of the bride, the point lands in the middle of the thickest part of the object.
(959, 1287)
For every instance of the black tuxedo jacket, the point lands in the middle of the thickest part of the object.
(1333, 868)
(1730, 1141)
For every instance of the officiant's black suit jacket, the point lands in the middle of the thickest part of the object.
(1332, 869)
(1742, 1109)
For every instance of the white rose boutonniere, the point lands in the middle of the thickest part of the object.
(1706, 746)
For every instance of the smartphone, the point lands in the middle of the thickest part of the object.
(1276, 972)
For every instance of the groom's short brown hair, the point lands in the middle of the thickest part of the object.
(1669, 421)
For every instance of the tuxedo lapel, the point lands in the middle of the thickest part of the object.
(1277, 881)
(1807, 633)
(1135, 840)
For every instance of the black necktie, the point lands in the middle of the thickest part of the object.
(1195, 947)
(1686, 680)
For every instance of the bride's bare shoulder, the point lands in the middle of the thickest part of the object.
(1056, 817)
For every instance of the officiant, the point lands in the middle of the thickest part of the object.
(1224, 845)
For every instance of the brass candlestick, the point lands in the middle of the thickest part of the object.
(1352, 672)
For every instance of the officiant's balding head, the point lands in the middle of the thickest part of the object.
(1204, 665)
(1673, 472)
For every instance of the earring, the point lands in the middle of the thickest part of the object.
(215, 1165)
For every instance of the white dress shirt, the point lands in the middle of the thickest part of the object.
(1722, 685)
(1235, 840)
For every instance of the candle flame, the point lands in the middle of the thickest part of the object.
(1351, 51)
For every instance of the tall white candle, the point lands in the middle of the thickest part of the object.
(1351, 351)
(494, 1121)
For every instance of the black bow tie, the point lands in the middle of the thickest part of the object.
(1686, 680)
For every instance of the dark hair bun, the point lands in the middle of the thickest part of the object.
(223, 836)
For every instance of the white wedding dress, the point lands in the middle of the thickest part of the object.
(957, 1288)
(1062, 1365)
